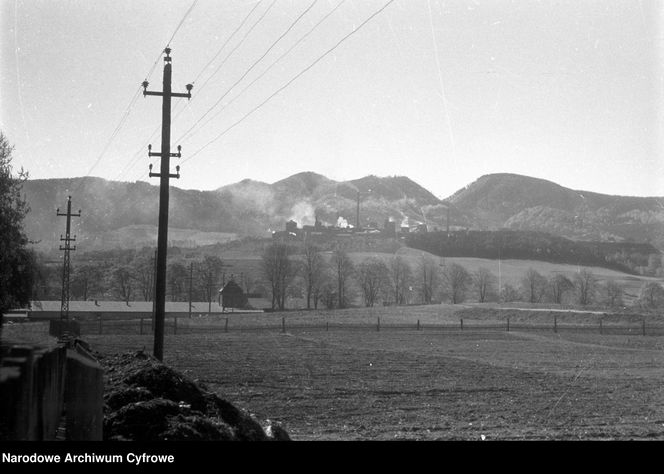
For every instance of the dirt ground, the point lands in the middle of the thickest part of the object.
(428, 385)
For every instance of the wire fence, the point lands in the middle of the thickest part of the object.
(177, 326)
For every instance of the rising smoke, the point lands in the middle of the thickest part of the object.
(303, 213)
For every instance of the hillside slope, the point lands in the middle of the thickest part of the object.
(113, 211)
(524, 203)
(125, 214)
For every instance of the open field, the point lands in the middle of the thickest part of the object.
(431, 317)
(347, 384)
(344, 385)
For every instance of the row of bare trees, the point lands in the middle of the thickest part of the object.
(335, 281)
(332, 279)
(133, 279)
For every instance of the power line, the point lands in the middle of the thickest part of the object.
(302, 38)
(226, 42)
(147, 76)
(297, 76)
(179, 112)
(216, 55)
(127, 111)
(181, 22)
(255, 63)
(116, 131)
(239, 44)
(136, 157)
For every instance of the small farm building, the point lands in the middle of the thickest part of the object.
(232, 296)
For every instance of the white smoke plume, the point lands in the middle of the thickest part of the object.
(303, 213)
(343, 223)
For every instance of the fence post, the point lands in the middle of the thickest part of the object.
(555, 323)
(508, 324)
(461, 320)
(643, 326)
(283, 324)
(100, 323)
(141, 326)
(378, 323)
(418, 324)
(226, 325)
(175, 325)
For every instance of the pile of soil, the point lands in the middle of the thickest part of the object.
(145, 400)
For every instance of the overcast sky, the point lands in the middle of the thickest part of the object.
(440, 91)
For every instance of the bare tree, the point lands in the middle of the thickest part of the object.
(48, 280)
(456, 280)
(559, 285)
(143, 270)
(613, 292)
(484, 283)
(318, 291)
(86, 281)
(509, 293)
(533, 285)
(122, 282)
(652, 295)
(401, 276)
(372, 276)
(586, 285)
(429, 277)
(177, 277)
(328, 292)
(313, 269)
(209, 277)
(279, 271)
(343, 270)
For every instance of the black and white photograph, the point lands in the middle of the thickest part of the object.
(328, 221)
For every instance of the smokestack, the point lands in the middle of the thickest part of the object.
(448, 220)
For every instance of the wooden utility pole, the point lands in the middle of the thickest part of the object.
(164, 175)
(357, 216)
(191, 280)
(67, 239)
(154, 287)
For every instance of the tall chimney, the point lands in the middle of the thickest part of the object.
(448, 219)
(357, 221)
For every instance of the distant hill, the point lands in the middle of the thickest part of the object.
(121, 214)
(523, 203)
(305, 196)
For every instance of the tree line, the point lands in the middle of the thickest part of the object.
(329, 279)
(628, 257)
(333, 280)
(131, 277)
